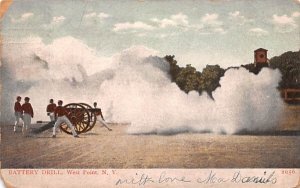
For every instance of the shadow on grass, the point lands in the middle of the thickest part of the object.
(270, 133)
(240, 133)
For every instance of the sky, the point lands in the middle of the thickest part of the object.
(224, 32)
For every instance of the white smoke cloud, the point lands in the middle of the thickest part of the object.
(247, 101)
(134, 86)
(30, 59)
(66, 69)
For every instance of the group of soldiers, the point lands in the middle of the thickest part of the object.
(57, 114)
(24, 112)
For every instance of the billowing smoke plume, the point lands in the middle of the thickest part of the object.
(134, 86)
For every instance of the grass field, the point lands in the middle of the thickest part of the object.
(100, 148)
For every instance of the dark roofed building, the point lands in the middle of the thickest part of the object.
(260, 56)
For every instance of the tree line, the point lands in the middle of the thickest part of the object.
(189, 79)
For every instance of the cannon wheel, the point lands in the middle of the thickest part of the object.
(93, 117)
(79, 117)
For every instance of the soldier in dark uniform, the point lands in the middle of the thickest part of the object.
(18, 113)
(61, 116)
(27, 113)
(99, 115)
(50, 110)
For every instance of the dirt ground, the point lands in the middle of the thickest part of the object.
(101, 148)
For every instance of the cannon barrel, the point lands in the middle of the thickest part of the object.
(82, 116)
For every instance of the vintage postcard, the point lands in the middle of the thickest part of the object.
(150, 93)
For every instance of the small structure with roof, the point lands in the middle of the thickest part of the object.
(261, 57)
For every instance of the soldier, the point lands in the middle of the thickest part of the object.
(27, 114)
(50, 110)
(18, 112)
(60, 114)
(99, 115)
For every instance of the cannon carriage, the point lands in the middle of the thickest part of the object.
(82, 116)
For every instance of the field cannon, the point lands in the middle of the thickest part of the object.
(81, 115)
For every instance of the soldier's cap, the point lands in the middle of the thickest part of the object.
(60, 101)
(18, 97)
(27, 98)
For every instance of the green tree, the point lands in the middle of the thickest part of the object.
(210, 78)
(289, 65)
(187, 78)
(174, 68)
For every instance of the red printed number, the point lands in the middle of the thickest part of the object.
(288, 172)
